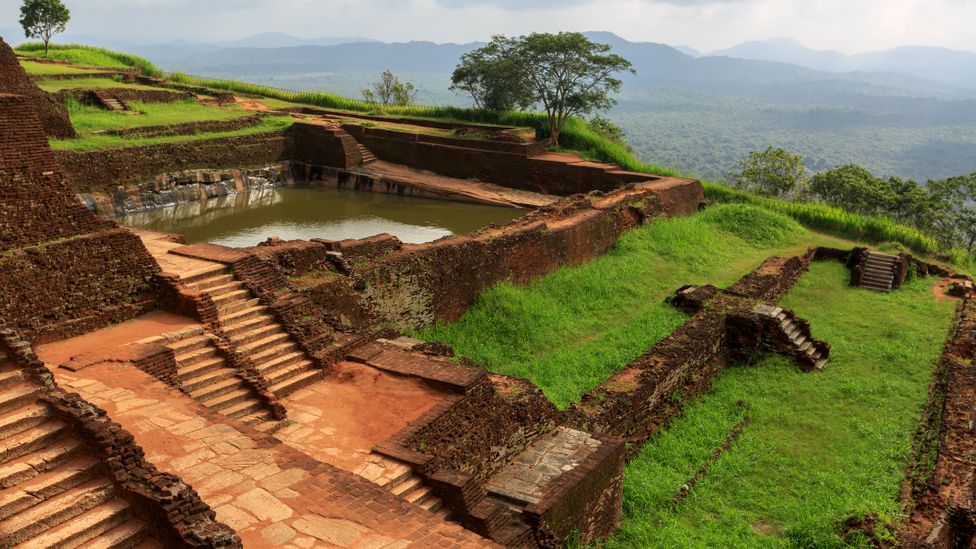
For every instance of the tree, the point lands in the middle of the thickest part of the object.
(493, 77)
(569, 75)
(390, 91)
(852, 188)
(43, 19)
(955, 210)
(608, 129)
(774, 172)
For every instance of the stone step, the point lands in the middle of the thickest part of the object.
(255, 334)
(26, 494)
(51, 512)
(220, 388)
(29, 466)
(195, 277)
(798, 342)
(185, 346)
(228, 399)
(23, 418)
(184, 360)
(444, 513)
(244, 408)
(247, 324)
(11, 378)
(419, 495)
(86, 527)
(234, 306)
(431, 503)
(806, 345)
(877, 269)
(214, 281)
(20, 395)
(124, 536)
(30, 440)
(876, 287)
(255, 347)
(819, 365)
(234, 318)
(271, 353)
(229, 297)
(277, 375)
(277, 362)
(407, 485)
(292, 384)
(399, 471)
(876, 280)
(199, 368)
(223, 289)
(210, 377)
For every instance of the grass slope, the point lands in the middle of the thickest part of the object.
(571, 330)
(88, 118)
(90, 56)
(53, 68)
(820, 447)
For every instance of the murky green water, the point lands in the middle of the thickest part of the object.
(334, 214)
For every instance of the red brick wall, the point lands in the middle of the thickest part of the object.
(14, 80)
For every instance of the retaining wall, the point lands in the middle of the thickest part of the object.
(14, 80)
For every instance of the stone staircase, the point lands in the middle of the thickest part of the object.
(878, 272)
(811, 352)
(110, 101)
(254, 332)
(368, 156)
(53, 491)
(401, 481)
(207, 378)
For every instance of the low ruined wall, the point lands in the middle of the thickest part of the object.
(508, 169)
(73, 286)
(125, 94)
(437, 282)
(103, 170)
(190, 128)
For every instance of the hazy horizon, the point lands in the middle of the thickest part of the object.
(705, 25)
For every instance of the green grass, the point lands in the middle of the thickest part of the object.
(87, 84)
(53, 68)
(91, 56)
(820, 448)
(97, 142)
(572, 329)
(87, 119)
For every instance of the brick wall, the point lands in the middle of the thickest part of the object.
(14, 80)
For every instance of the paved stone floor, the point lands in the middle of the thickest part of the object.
(339, 419)
(272, 494)
(148, 325)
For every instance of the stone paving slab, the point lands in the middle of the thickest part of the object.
(272, 494)
(525, 479)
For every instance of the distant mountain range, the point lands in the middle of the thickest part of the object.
(940, 64)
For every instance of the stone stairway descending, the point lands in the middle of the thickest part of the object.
(401, 481)
(254, 331)
(878, 272)
(368, 156)
(53, 491)
(207, 378)
(801, 340)
(111, 102)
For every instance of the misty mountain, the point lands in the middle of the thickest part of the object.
(940, 64)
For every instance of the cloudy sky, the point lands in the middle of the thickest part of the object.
(847, 25)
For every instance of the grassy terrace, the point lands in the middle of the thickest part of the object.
(820, 447)
(42, 69)
(87, 118)
(54, 86)
(571, 330)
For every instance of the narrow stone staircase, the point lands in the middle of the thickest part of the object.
(110, 101)
(368, 156)
(254, 332)
(810, 351)
(207, 378)
(400, 480)
(53, 490)
(878, 272)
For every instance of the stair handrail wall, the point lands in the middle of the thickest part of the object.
(176, 510)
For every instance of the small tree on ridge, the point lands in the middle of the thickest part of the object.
(43, 19)
(390, 91)
(774, 172)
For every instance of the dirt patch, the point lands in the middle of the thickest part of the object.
(766, 528)
(109, 339)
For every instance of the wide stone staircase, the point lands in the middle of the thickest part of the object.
(53, 491)
(206, 377)
(401, 481)
(878, 272)
(254, 331)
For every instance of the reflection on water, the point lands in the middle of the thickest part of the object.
(335, 214)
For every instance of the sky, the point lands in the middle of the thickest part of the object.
(850, 26)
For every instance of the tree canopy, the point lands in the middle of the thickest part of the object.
(389, 91)
(774, 172)
(42, 19)
(566, 73)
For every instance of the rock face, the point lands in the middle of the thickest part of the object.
(13, 79)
